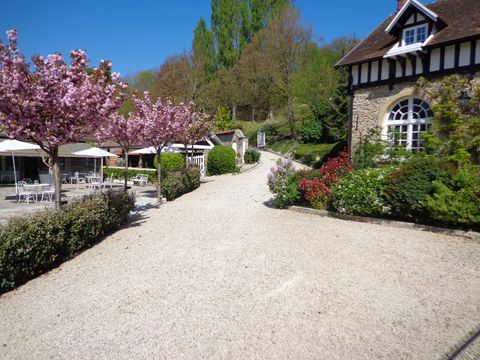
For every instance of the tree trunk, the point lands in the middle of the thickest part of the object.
(159, 176)
(186, 155)
(55, 169)
(253, 114)
(291, 117)
(234, 113)
(126, 170)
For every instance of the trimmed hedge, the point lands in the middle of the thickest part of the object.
(118, 173)
(408, 187)
(221, 160)
(177, 183)
(252, 156)
(170, 162)
(34, 244)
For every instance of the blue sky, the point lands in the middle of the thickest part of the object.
(139, 35)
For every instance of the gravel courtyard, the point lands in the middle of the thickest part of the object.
(218, 274)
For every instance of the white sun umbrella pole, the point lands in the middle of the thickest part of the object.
(95, 153)
(12, 146)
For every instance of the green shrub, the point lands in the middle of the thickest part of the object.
(282, 184)
(221, 160)
(34, 244)
(312, 132)
(457, 202)
(177, 183)
(223, 119)
(409, 185)
(118, 173)
(309, 159)
(252, 156)
(170, 162)
(361, 193)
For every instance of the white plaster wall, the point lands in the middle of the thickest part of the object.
(449, 57)
(385, 70)
(419, 66)
(355, 74)
(398, 71)
(364, 78)
(464, 54)
(477, 53)
(408, 68)
(374, 71)
(435, 60)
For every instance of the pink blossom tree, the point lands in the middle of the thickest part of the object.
(126, 132)
(53, 103)
(196, 128)
(163, 123)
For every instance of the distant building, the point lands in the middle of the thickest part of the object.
(433, 41)
(236, 140)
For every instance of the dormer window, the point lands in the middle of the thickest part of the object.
(416, 34)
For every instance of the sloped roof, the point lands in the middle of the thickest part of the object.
(462, 19)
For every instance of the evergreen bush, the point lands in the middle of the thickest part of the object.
(170, 162)
(33, 244)
(221, 160)
(252, 156)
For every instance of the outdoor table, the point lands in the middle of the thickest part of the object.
(93, 182)
(36, 188)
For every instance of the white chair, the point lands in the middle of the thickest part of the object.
(25, 195)
(108, 182)
(140, 179)
(48, 193)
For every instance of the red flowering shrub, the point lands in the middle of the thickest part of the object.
(317, 191)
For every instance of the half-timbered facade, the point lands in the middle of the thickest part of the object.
(432, 41)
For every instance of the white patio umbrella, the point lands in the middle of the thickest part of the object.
(12, 146)
(95, 153)
(151, 150)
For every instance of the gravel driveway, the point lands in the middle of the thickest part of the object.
(218, 274)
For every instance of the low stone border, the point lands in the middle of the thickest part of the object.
(472, 235)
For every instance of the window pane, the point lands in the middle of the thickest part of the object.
(421, 34)
(409, 37)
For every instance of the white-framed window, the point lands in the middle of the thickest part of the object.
(415, 34)
(406, 121)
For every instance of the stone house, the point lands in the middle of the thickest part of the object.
(431, 41)
(236, 140)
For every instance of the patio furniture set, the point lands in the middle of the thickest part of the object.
(28, 191)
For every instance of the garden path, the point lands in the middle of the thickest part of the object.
(219, 274)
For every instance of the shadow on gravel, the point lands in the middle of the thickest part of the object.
(147, 193)
(468, 348)
(270, 204)
(138, 216)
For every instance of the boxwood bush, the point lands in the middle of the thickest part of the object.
(252, 156)
(221, 160)
(34, 244)
(177, 183)
(118, 173)
(408, 187)
(170, 162)
(361, 193)
(457, 202)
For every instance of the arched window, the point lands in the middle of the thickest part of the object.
(406, 121)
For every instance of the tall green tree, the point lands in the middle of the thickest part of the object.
(203, 51)
(336, 117)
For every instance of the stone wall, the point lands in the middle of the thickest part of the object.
(371, 106)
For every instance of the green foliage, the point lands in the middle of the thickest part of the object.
(371, 151)
(312, 132)
(221, 160)
(119, 173)
(409, 186)
(336, 114)
(457, 202)
(170, 162)
(368, 150)
(252, 156)
(203, 50)
(177, 183)
(361, 193)
(34, 244)
(455, 131)
(282, 184)
(223, 119)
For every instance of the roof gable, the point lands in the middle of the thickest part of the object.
(411, 3)
(459, 19)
